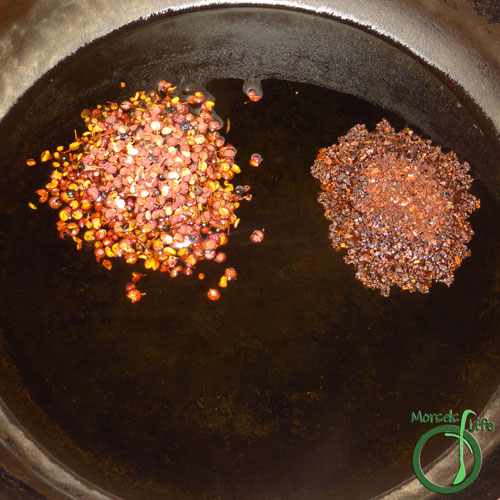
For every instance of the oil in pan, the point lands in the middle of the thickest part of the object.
(298, 381)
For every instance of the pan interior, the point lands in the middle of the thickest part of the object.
(299, 381)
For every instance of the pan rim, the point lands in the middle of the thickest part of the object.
(28, 447)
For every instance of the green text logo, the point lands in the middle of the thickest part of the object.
(465, 438)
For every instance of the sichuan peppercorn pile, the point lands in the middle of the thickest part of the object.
(148, 180)
(398, 205)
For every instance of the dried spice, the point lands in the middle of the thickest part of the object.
(213, 294)
(253, 96)
(255, 160)
(398, 205)
(257, 236)
(230, 273)
(148, 180)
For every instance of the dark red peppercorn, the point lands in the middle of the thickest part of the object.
(220, 257)
(257, 236)
(213, 294)
(255, 160)
(252, 95)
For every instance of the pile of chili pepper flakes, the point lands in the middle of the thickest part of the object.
(398, 205)
(149, 179)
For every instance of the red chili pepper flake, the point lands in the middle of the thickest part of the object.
(252, 95)
(107, 264)
(43, 194)
(257, 236)
(134, 295)
(147, 181)
(213, 294)
(255, 160)
(164, 86)
(398, 205)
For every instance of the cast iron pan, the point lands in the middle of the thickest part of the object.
(297, 384)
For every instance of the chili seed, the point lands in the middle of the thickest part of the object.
(110, 181)
(45, 156)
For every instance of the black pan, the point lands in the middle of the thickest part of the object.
(297, 384)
